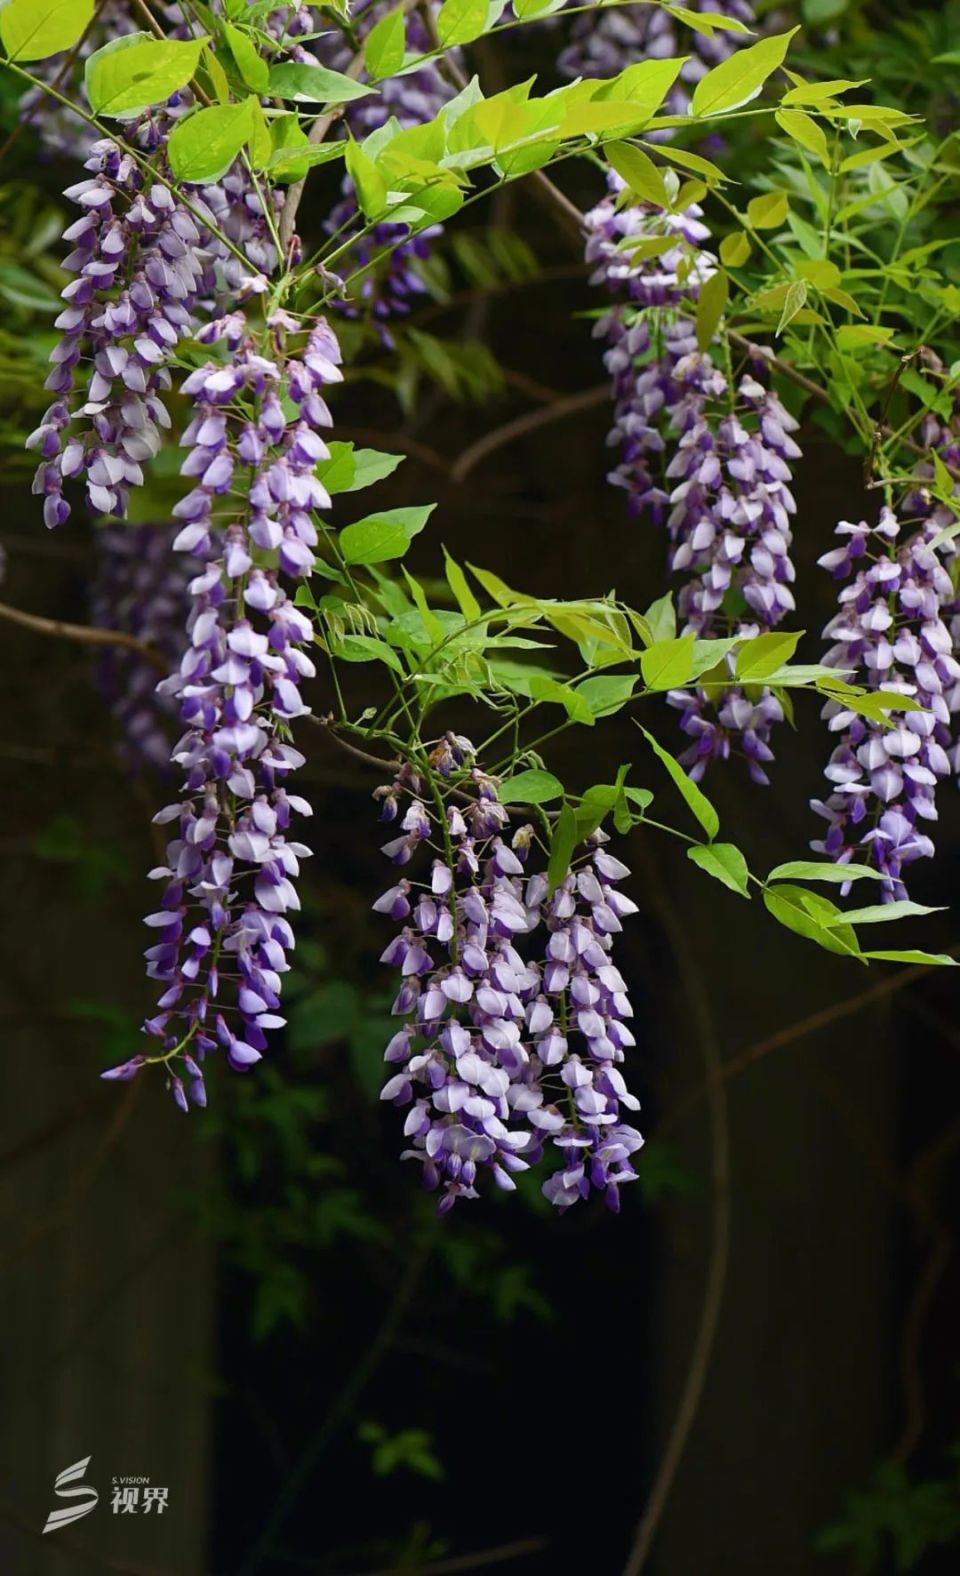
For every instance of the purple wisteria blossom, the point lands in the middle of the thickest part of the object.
(222, 932)
(889, 634)
(724, 491)
(140, 588)
(516, 1016)
(387, 288)
(140, 268)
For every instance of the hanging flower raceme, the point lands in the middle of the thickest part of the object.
(387, 253)
(140, 268)
(516, 1015)
(141, 589)
(724, 489)
(889, 634)
(222, 926)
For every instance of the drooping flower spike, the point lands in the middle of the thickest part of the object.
(515, 1015)
(708, 452)
(228, 881)
(891, 634)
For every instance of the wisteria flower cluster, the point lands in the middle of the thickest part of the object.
(889, 633)
(516, 1013)
(222, 927)
(708, 453)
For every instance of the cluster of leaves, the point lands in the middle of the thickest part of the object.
(899, 1518)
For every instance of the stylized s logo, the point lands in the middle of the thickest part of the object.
(83, 1492)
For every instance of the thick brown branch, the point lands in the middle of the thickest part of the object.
(85, 634)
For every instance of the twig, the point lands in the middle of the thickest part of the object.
(797, 1031)
(316, 134)
(349, 1395)
(696, 998)
(329, 725)
(569, 405)
(921, 1191)
(86, 634)
(79, 1551)
(470, 1562)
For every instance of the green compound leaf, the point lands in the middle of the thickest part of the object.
(740, 77)
(695, 798)
(724, 862)
(36, 29)
(137, 70)
(532, 787)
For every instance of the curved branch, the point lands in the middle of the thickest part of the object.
(569, 405)
(85, 634)
(797, 1031)
(696, 997)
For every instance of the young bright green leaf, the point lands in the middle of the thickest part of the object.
(724, 862)
(933, 959)
(383, 536)
(707, 21)
(457, 581)
(735, 249)
(532, 787)
(137, 70)
(768, 211)
(765, 654)
(385, 46)
(314, 84)
(739, 78)
(364, 648)
(794, 302)
(606, 693)
(36, 29)
(668, 664)
(526, 9)
(815, 870)
(645, 84)
(431, 623)
(292, 160)
(639, 172)
(218, 77)
(497, 588)
(695, 798)
(662, 618)
(552, 691)
(711, 304)
(879, 913)
(251, 66)
(370, 184)
(805, 131)
(562, 846)
(801, 912)
(461, 21)
(350, 470)
(204, 144)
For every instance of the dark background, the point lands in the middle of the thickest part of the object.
(222, 1303)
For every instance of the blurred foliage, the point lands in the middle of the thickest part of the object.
(901, 1518)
